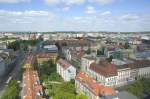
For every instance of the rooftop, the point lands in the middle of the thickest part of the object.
(104, 68)
(138, 64)
(31, 85)
(64, 63)
(46, 55)
(95, 87)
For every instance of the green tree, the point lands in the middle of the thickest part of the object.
(110, 59)
(11, 91)
(55, 77)
(81, 96)
(126, 46)
(88, 51)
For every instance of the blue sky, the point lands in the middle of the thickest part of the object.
(74, 15)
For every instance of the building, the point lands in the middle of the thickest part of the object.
(139, 69)
(66, 70)
(104, 72)
(86, 62)
(2, 67)
(3, 45)
(91, 88)
(32, 89)
(74, 56)
(42, 57)
(50, 48)
(123, 72)
(29, 63)
(31, 86)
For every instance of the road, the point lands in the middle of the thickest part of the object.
(14, 72)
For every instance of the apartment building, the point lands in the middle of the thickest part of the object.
(42, 57)
(66, 70)
(91, 88)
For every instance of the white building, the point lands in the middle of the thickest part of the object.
(86, 62)
(123, 76)
(66, 70)
(104, 72)
(86, 84)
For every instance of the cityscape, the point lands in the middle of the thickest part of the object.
(74, 49)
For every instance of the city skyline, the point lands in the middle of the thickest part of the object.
(74, 15)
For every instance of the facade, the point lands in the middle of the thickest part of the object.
(86, 62)
(42, 57)
(104, 72)
(29, 63)
(91, 88)
(66, 70)
(3, 45)
(123, 76)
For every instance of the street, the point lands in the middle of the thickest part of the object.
(14, 72)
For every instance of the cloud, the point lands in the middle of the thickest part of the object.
(25, 13)
(90, 10)
(129, 17)
(106, 13)
(49, 21)
(102, 2)
(66, 8)
(13, 1)
(74, 2)
(64, 2)
(52, 2)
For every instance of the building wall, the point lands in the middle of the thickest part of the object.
(41, 60)
(2, 67)
(80, 88)
(123, 76)
(144, 72)
(85, 64)
(66, 74)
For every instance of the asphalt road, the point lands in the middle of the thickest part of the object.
(14, 72)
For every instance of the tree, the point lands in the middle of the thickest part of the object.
(140, 87)
(14, 45)
(110, 59)
(81, 96)
(55, 77)
(11, 91)
(126, 46)
(88, 51)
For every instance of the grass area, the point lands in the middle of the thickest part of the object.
(54, 84)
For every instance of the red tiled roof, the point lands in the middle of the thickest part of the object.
(138, 64)
(95, 87)
(30, 84)
(64, 63)
(104, 68)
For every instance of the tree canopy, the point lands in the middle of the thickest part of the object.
(140, 87)
(12, 91)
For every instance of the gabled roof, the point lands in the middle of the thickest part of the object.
(64, 63)
(95, 87)
(104, 68)
(138, 64)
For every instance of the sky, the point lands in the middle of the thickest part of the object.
(75, 15)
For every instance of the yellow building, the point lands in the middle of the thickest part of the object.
(29, 63)
(42, 57)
